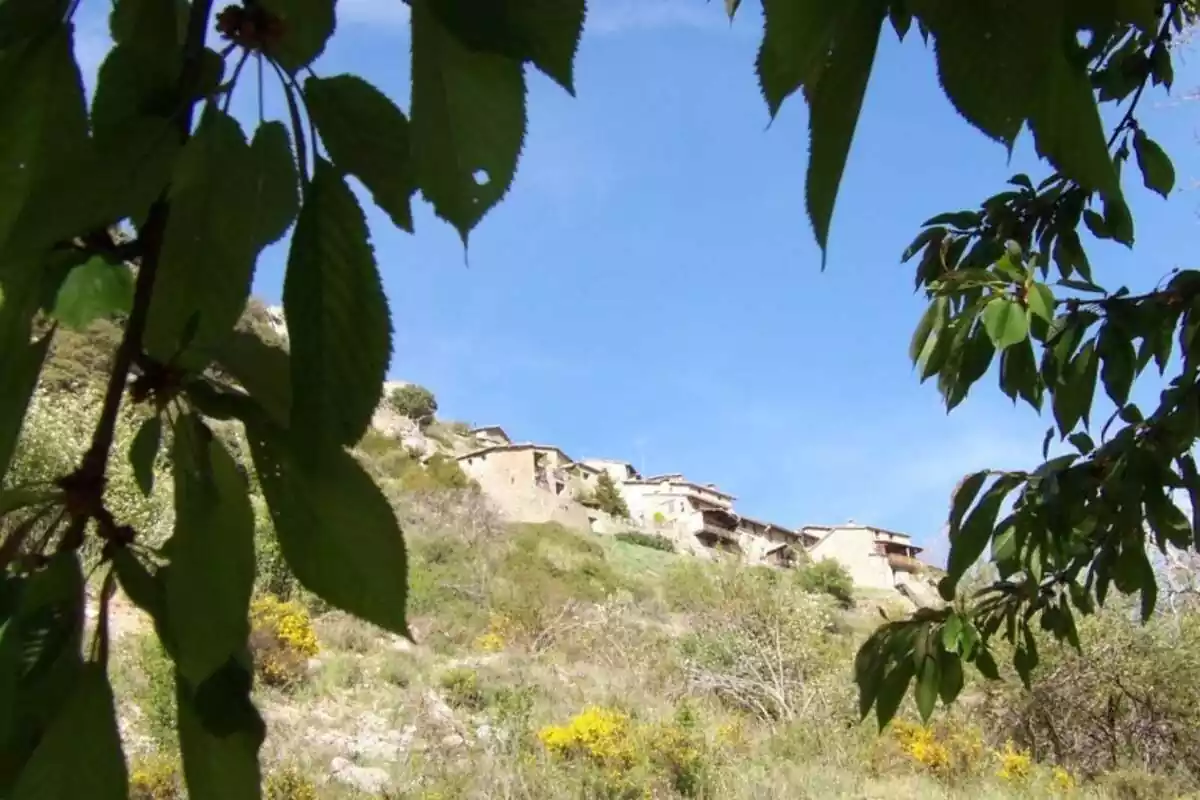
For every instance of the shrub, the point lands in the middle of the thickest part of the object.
(608, 499)
(155, 696)
(282, 640)
(461, 686)
(288, 783)
(950, 751)
(827, 576)
(415, 402)
(767, 649)
(600, 734)
(157, 777)
(655, 541)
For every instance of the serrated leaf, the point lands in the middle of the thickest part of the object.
(1040, 300)
(926, 691)
(43, 140)
(834, 106)
(969, 542)
(986, 665)
(924, 327)
(93, 290)
(796, 37)
(342, 345)
(1077, 385)
(951, 631)
(211, 576)
(143, 452)
(276, 182)
(1158, 172)
(1066, 125)
(211, 241)
(1115, 351)
(367, 136)
(262, 370)
(1019, 374)
(544, 33)
(991, 59)
(27, 19)
(964, 495)
(1167, 520)
(950, 676)
(892, 690)
(336, 529)
(468, 122)
(20, 364)
(307, 26)
(80, 755)
(220, 733)
(156, 28)
(1005, 321)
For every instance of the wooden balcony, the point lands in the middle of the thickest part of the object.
(903, 563)
(718, 537)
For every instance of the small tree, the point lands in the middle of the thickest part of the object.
(827, 576)
(608, 498)
(415, 402)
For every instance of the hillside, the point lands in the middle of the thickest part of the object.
(558, 664)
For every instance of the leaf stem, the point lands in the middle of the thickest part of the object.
(91, 473)
(1160, 40)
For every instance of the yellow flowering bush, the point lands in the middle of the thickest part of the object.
(1063, 780)
(629, 756)
(288, 783)
(600, 734)
(1015, 764)
(282, 640)
(499, 632)
(944, 753)
(156, 778)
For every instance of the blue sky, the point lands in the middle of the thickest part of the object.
(650, 290)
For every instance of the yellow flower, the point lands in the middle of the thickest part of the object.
(1064, 781)
(1015, 765)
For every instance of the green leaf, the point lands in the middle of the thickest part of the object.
(544, 33)
(468, 122)
(20, 364)
(1019, 374)
(1066, 125)
(1082, 442)
(1167, 520)
(834, 106)
(155, 28)
(262, 370)
(991, 58)
(986, 665)
(969, 542)
(1077, 385)
(1005, 321)
(1158, 172)
(869, 665)
(94, 290)
(307, 26)
(951, 631)
(367, 136)
(27, 19)
(964, 495)
(220, 733)
(211, 577)
(340, 354)
(43, 138)
(211, 242)
(276, 183)
(926, 691)
(892, 690)
(932, 315)
(80, 755)
(1116, 352)
(143, 452)
(1024, 661)
(1040, 300)
(336, 529)
(950, 674)
(795, 41)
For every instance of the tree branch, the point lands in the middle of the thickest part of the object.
(88, 480)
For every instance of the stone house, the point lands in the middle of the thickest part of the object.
(771, 543)
(619, 471)
(874, 557)
(489, 435)
(699, 518)
(529, 482)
